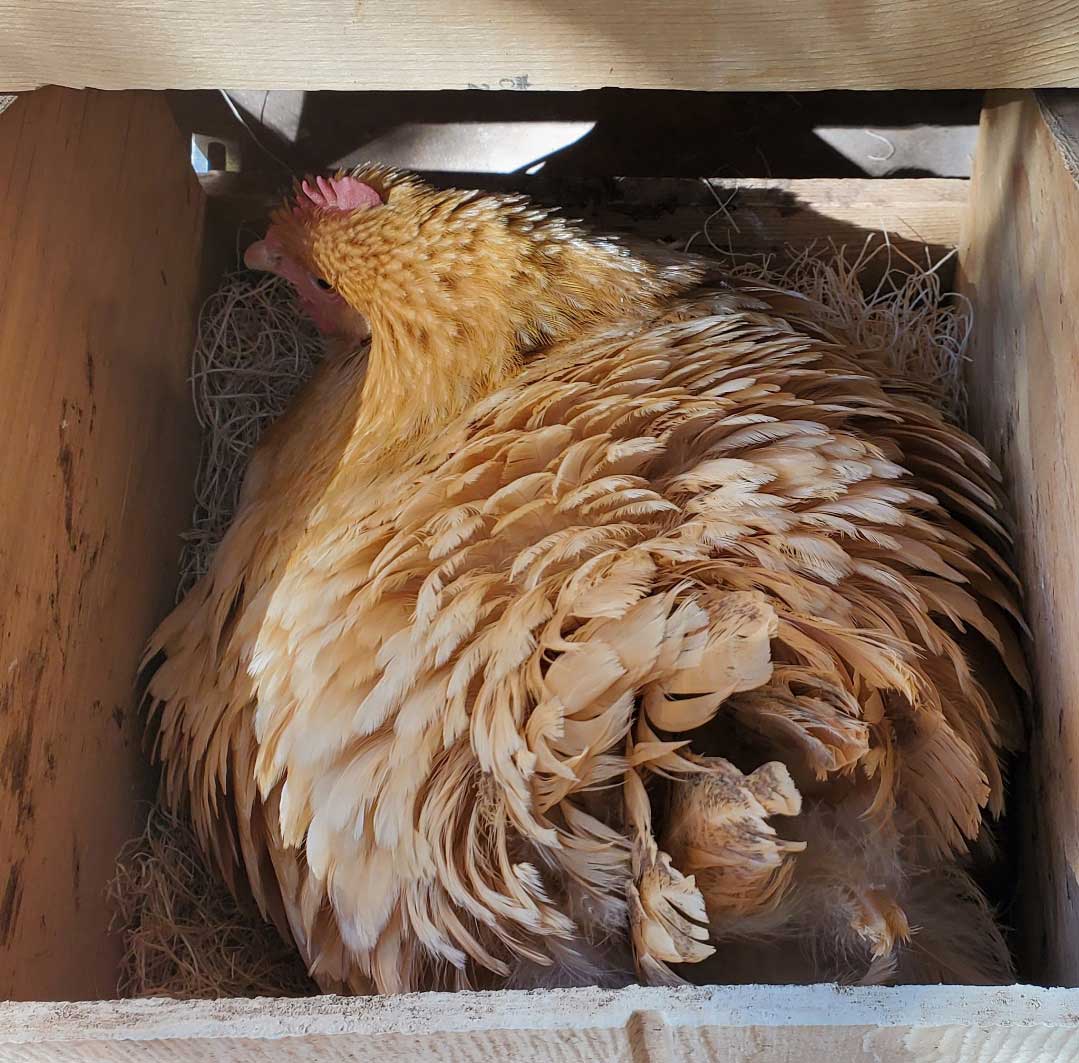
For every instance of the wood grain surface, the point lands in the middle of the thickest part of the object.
(539, 44)
(100, 233)
(1019, 264)
(785, 1024)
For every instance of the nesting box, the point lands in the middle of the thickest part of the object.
(102, 230)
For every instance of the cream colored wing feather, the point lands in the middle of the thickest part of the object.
(430, 665)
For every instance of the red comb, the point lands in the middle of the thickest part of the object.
(340, 193)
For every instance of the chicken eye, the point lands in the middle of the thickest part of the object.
(324, 284)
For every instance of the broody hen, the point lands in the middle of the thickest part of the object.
(605, 616)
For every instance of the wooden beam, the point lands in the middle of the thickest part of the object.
(540, 44)
(100, 238)
(813, 1023)
(769, 216)
(920, 218)
(1019, 264)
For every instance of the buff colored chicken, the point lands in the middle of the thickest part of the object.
(605, 617)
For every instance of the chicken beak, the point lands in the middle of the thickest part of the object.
(262, 257)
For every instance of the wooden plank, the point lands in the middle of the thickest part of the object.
(100, 233)
(1019, 264)
(636, 1025)
(1060, 112)
(557, 44)
(748, 216)
(768, 216)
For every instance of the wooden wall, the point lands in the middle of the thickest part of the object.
(540, 44)
(1019, 264)
(717, 1024)
(100, 235)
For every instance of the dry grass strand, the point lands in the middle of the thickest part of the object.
(184, 934)
(252, 351)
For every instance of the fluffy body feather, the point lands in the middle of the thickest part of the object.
(603, 618)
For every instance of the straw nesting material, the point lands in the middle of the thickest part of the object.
(907, 318)
(252, 352)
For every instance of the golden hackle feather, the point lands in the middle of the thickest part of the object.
(480, 598)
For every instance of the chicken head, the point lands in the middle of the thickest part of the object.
(326, 308)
